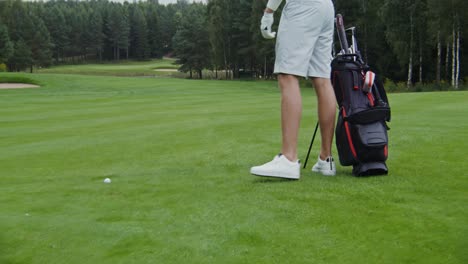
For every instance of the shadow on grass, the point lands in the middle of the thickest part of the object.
(263, 179)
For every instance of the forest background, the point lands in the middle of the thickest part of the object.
(405, 42)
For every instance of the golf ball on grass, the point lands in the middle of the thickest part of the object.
(107, 180)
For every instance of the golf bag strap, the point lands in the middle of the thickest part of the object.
(355, 80)
(348, 134)
(378, 90)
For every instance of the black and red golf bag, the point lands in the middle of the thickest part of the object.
(361, 129)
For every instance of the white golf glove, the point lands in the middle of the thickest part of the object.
(265, 27)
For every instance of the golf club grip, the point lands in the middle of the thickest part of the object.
(342, 33)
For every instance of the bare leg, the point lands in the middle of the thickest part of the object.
(326, 113)
(291, 110)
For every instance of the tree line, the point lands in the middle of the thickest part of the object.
(52, 32)
(411, 41)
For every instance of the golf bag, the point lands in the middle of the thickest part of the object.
(361, 130)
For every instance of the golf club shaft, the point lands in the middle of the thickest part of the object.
(311, 143)
(342, 33)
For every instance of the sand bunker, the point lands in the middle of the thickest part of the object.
(166, 70)
(17, 85)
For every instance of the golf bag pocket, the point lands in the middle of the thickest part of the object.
(370, 115)
(370, 141)
(358, 143)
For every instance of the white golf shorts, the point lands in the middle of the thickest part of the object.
(305, 38)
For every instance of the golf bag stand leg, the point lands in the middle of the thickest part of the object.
(311, 143)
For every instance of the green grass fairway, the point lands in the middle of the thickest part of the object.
(179, 152)
(163, 67)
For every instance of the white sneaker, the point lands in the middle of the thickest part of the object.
(325, 167)
(279, 167)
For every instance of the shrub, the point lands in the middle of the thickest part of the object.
(17, 79)
(389, 85)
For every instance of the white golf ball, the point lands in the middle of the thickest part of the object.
(107, 180)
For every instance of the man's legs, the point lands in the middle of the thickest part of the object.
(291, 110)
(287, 164)
(326, 113)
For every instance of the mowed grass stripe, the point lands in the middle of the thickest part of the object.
(178, 153)
(123, 68)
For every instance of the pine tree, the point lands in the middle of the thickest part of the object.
(22, 56)
(5, 11)
(167, 27)
(76, 21)
(6, 46)
(154, 30)
(233, 35)
(124, 36)
(40, 44)
(59, 31)
(118, 29)
(18, 22)
(95, 31)
(246, 47)
(191, 41)
(216, 33)
(139, 34)
(25, 26)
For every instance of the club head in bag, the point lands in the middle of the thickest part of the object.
(354, 48)
(368, 82)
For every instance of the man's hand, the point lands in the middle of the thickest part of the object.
(265, 27)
